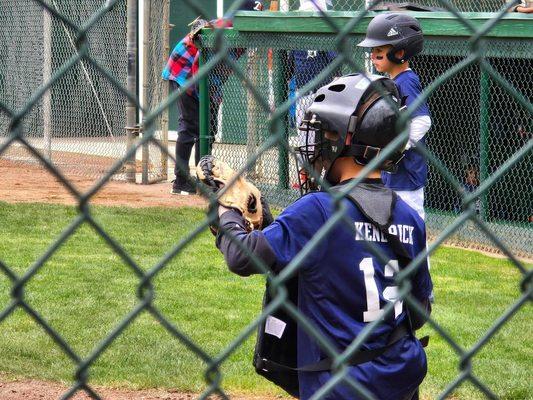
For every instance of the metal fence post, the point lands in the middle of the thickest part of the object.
(131, 84)
(484, 116)
(164, 117)
(280, 96)
(47, 73)
(146, 87)
(252, 107)
(205, 145)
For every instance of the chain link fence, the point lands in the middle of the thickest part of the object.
(79, 123)
(156, 37)
(489, 75)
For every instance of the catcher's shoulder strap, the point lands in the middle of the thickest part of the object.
(376, 202)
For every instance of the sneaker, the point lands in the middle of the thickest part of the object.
(184, 190)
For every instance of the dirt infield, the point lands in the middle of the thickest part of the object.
(28, 183)
(41, 390)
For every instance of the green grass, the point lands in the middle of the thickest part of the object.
(85, 290)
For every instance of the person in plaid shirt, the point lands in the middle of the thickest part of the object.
(182, 63)
(181, 66)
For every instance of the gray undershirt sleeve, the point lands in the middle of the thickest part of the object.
(232, 230)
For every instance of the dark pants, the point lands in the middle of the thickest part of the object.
(188, 134)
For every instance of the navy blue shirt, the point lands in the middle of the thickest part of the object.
(309, 63)
(412, 170)
(343, 287)
(409, 86)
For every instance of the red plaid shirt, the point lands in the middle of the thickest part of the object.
(183, 61)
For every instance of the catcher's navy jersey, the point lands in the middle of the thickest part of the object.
(343, 287)
(412, 169)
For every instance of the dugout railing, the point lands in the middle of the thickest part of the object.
(477, 124)
(271, 133)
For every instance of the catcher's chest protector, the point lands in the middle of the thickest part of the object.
(276, 343)
(275, 355)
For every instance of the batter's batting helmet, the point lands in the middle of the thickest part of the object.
(401, 31)
(353, 116)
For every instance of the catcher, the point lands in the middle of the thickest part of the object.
(346, 279)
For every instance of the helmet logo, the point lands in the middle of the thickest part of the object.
(392, 32)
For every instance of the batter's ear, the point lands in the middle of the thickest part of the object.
(400, 54)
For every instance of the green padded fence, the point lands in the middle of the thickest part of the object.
(485, 56)
(477, 124)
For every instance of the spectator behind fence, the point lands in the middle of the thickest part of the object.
(394, 39)
(181, 66)
(470, 185)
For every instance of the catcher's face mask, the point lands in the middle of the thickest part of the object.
(312, 157)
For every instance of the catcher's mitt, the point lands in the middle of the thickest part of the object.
(240, 195)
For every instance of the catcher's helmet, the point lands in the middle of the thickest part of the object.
(353, 116)
(401, 31)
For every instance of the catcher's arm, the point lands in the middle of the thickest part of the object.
(233, 231)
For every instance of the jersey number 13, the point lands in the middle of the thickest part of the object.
(390, 293)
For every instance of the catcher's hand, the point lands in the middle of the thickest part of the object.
(241, 195)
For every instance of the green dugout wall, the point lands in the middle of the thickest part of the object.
(481, 116)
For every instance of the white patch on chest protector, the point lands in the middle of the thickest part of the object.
(275, 326)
